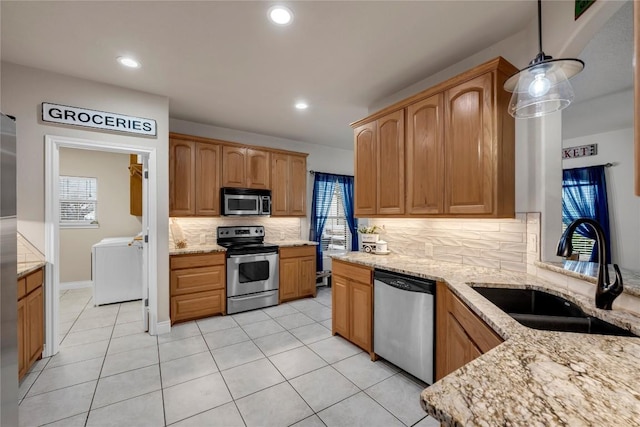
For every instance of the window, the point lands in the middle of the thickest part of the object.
(336, 236)
(78, 201)
(581, 245)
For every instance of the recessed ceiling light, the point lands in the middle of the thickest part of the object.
(128, 62)
(280, 15)
(302, 105)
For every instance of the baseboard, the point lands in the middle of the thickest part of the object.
(64, 286)
(163, 327)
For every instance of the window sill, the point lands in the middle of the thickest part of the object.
(79, 225)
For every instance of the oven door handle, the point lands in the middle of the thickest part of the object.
(254, 296)
(258, 257)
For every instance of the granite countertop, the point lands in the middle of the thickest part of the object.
(534, 378)
(29, 259)
(25, 268)
(211, 248)
(589, 271)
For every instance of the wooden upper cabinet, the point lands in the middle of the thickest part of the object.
(365, 169)
(234, 173)
(297, 186)
(208, 166)
(390, 164)
(425, 157)
(258, 166)
(288, 185)
(182, 174)
(456, 145)
(470, 169)
(279, 182)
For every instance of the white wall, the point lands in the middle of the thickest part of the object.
(111, 171)
(321, 158)
(624, 208)
(23, 91)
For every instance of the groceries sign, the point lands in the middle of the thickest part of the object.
(75, 116)
(581, 151)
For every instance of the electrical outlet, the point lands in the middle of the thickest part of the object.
(532, 243)
(282, 235)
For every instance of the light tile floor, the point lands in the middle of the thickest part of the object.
(279, 366)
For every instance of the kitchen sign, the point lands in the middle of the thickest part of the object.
(84, 117)
(581, 151)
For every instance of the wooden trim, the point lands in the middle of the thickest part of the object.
(35, 280)
(184, 137)
(354, 272)
(636, 81)
(297, 251)
(498, 63)
(196, 260)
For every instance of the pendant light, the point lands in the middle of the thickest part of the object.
(542, 87)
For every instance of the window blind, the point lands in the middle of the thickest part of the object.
(336, 236)
(78, 200)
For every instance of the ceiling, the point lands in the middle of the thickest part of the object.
(223, 63)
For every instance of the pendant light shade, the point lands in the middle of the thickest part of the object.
(542, 87)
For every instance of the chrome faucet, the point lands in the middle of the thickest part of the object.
(605, 292)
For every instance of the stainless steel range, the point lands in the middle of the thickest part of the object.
(252, 268)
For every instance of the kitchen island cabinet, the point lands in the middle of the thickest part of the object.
(461, 336)
(197, 286)
(297, 271)
(352, 304)
(30, 320)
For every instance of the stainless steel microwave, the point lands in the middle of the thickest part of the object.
(245, 202)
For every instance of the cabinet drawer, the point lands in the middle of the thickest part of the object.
(197, 305)
(481, 334)
(297, 251)
(200, 260)
(352, 271)
(200, 279)
(22, 287)
(34, 280)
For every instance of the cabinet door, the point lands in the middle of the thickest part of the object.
(289, 277)
(279, 184)
(469, 155)
(459, 348)
(35, 325)
(198, 279)
(390, 164)
(207, 179)
(361, 315)
(307, 276)
(297, 186)
(258, 169)
(365, 170)
(425, 157)
(340, 306)
(22, 335)
(197, 305)
(234, 167)
(182, 173)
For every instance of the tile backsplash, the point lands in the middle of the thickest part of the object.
(509, 244)
(275, 228)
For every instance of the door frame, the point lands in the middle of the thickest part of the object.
(52, 228)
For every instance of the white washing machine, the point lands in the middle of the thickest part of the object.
(116, 270)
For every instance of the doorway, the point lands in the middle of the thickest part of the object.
(147, 305)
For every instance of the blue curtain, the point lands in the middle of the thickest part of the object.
(584, 195)
(346, 183)
(324, 185)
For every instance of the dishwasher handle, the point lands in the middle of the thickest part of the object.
(405, 283)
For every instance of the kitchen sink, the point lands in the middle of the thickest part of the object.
(541, 310)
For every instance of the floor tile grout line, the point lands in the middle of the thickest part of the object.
(100, 372)
(164, 409)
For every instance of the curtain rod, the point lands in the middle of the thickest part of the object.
(312, 172)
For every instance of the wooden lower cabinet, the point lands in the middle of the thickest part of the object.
(30, 320)
(198, 286)
(461, 335)
(352, 304)
(297, 272)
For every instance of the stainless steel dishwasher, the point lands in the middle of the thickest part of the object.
(404, 322)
